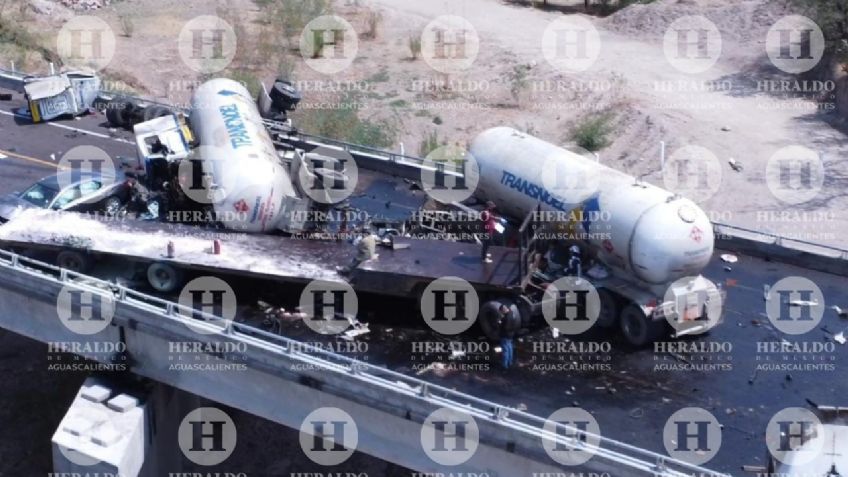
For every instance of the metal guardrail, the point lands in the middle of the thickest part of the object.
(613, 451)
(783, 241)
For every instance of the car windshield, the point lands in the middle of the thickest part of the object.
(39, 195)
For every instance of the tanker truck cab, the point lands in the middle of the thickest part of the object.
(166, 137)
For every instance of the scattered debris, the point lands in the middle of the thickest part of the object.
(358, 329)
(666, 400)
(839, 311)
(729, 258)
(728, 268)
(753, 377)
(680, 357)
(521, 406)
(839, 337)
(726, 129)
(760, 469)
(637, 413)
(735, 165)
(5, 96)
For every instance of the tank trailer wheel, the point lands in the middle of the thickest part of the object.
(637, 328)
(489, 314)
(609, 309)
(74, 261)
(153, 112)
(164, 277)
(112, 206)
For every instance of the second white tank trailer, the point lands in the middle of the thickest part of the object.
(652, 242)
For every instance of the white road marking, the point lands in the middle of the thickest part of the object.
(83, 131)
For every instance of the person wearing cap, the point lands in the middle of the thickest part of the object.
(488, 218)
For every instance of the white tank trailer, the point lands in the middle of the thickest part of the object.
(253, 186)
(652, 242)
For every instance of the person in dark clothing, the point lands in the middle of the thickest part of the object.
(488, 218)
(507, 335)
(159, 148)
(574, 267)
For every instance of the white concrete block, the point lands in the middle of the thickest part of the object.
(95, 393)
(106, 435)
(98, 437)
(122, 403)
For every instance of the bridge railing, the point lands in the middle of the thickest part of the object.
(782, 240)
(610, 450)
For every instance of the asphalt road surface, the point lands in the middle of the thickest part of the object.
(630, 392)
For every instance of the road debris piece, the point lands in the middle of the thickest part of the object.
(729, 258)
(735, 165)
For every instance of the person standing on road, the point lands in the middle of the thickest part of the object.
(507, 335)
(575, 262)
(488, 218)
(366, 249)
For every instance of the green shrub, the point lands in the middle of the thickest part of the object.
(345, 123)
(593, 132)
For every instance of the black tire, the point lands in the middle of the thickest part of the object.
(153, 112)
(609, 309)
(115, 113)
(637, 329)
(75, 261)
(284, 97)
(129, 115)
(164, 277)
(112, 205)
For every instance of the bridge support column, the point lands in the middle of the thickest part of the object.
(109, 430)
